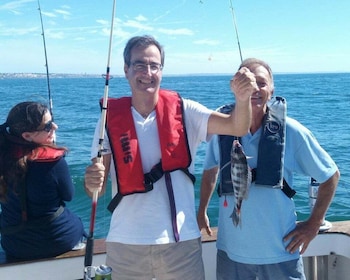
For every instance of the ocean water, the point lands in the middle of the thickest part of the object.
(319, 101)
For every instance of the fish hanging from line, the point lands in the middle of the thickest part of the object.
(241, 179)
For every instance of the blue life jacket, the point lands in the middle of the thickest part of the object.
(269, 170)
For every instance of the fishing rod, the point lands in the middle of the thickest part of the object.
(46, 64)
(90, 239)
(236, 29)
(239, 48)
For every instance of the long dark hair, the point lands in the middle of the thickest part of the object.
(14, 149)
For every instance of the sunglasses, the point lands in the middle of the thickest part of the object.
(47, 127)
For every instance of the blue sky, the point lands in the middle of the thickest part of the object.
(198, 36)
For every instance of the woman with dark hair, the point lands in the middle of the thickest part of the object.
(34, 184)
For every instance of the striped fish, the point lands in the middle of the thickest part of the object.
(241, 179)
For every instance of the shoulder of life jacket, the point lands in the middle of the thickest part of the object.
(46, 154)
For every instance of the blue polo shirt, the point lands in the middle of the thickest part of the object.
(267, 215)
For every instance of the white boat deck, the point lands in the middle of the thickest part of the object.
(328, 257)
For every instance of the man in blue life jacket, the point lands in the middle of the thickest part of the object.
(149, 150)
(268, 242)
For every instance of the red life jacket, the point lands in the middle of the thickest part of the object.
(46, 153)
(175, 153)
(41, 153)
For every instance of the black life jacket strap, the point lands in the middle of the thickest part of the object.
(157, 172)
(114, 202)
(30, 224)
(149, 179)
(288, 191)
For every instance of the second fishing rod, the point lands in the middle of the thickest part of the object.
(88, 269)
(46, 63)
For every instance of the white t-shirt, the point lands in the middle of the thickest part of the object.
(144, 218)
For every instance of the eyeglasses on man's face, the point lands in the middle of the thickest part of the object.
(143, 67)
(47, 127)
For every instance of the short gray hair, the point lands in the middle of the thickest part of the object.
(254, 61)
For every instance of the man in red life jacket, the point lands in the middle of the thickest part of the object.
(149, 151)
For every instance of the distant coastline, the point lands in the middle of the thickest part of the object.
(65, 75)
(43, 75)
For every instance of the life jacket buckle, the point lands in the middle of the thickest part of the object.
(148, 184)
(153, 176)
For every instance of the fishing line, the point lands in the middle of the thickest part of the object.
(236, 29)
(46, 63)
(90, 239)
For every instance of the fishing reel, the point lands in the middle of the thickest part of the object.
(101, 272)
